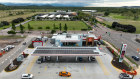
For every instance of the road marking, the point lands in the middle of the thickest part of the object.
(106, 72)
(5, 59)
(84, 68)
(28, 70)
(2, 62)
(45, 67)
(64, 68)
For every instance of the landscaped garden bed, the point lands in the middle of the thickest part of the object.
(121, 65)
(16, 64)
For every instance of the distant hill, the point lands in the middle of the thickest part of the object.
(131, 6)
(2, 5)
(26, 4)
(44, 4)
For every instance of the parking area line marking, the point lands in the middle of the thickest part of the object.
(106, 72)
(45, 67)
(2, 62)
(84, 68)
(64, 68)
(28, 70)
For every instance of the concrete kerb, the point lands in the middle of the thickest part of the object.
(131, 64)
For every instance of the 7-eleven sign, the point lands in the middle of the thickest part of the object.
(122, 53)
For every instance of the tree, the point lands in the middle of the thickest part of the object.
(54, 26)
(60, 27)
(21, 28)
(53, 31)
(13, 26)
(106, 13)
(11, 32)
(65, 27)
(29, 27)
(5, 23)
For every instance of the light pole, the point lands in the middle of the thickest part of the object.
(133, 68)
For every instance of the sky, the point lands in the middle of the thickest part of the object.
(86, 3)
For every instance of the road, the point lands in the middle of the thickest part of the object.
(116, 39)
(14, 53)
(4, 32)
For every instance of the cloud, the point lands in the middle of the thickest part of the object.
(92, 3)
(111, 3)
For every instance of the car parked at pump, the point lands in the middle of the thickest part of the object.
(92, 58)
(136, 58)
(80, 58)
(39, 60)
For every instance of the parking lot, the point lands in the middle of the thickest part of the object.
(100, 68)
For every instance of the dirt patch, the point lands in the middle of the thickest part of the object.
(5, 42)
(101, 20)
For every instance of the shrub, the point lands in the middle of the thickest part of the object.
(39, 27)
(18, 20)
(125, 28)
(5, 23)
(84, 29)
(53, 31)
(47, 27)
(11, 32)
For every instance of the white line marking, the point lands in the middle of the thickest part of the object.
(5, 59)
(2, 62)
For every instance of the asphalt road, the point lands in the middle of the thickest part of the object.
(14, 53)
(116, 39)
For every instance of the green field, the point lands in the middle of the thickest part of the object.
(72, 25)
(124, 20)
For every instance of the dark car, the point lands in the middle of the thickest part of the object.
(24, 43)
(125, 76)
(80, 58)
(136, 58)
(92, 58)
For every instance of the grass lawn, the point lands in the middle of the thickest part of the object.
(135, 23)
(76, 25)
(124, 20)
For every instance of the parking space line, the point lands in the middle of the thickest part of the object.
(106, 72)
(28, 70)
(2, 62)
(84, 68)
(45, 67)
(64, 68)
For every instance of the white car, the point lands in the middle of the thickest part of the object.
(10, 46)
(27, 76)
(125, 76)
